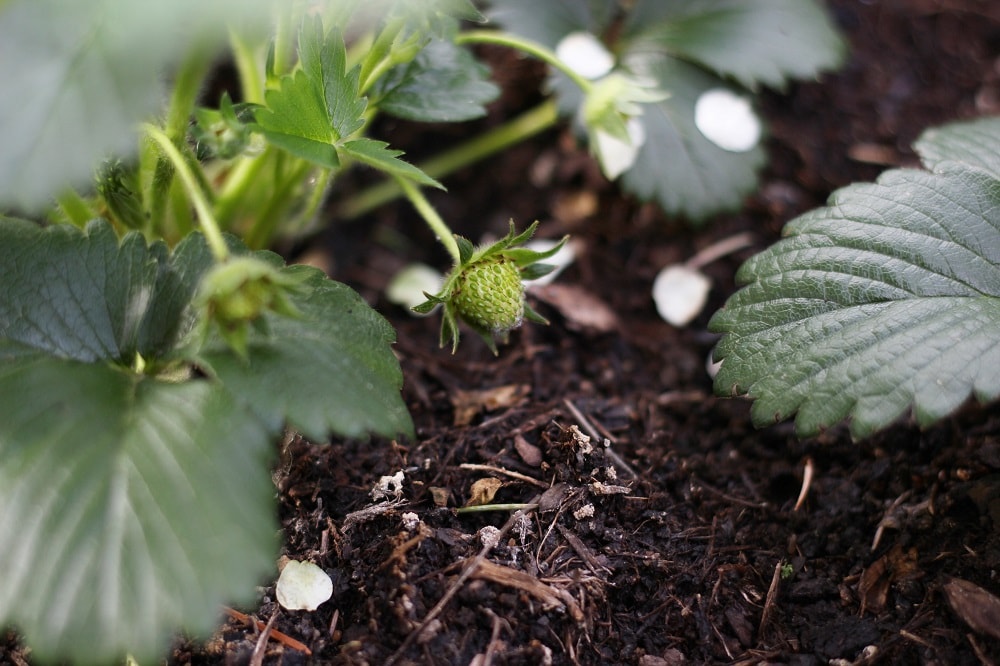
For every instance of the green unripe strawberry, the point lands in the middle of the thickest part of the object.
(489, 293)
(484, 289)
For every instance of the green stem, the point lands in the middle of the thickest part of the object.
(262, 232)
(543, 53)
(76, 209)
(240, 180)
(187, 83)
(531, 122)
(186, 86)
(251, 83)
(208, 224)
(431, 217)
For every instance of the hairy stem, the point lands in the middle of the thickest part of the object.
(194, 191)
(431, 217)
(531, 122)
(534, 49)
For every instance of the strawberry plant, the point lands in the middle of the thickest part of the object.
(886, 300)
(152, 349)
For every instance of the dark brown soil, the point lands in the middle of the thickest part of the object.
(673, 536)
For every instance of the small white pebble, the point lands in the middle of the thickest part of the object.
(410, 521)
(489, 536)
(389, 486)
(407, 288)
(585, 511)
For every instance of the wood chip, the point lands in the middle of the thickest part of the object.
(581, 309)
(467, 404)
(550, 597)
(975, 606)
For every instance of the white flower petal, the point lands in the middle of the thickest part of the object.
(408, 285)
(585, 54)
(727, 120)
(302, 586)
(680, 294)
(617, 156)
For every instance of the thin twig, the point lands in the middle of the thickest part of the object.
(257, 657)
(770, 599)
(807, 477)
(284, 639)
(506, 472)
(719, 250)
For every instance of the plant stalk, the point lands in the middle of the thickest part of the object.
(205, 217)
(529, 123)
(532, 48)
(434, 221)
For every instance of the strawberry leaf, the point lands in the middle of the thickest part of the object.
(317, 105)
(765, 42)
(444, 83)
(885, 300)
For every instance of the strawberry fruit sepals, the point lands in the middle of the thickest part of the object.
(485, 289)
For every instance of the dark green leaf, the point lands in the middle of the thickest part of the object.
(888, 298)
(83, 296)
(677, 166)
(444, 83)
(762, 42)
(131, 508)
(973, 143)
(134, 505)
(332, 368)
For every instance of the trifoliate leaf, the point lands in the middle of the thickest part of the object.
(317, 105)
(973, 143)
(887, 299)
(85, 296)
(79, 76)
(444, 83)
(678, 166)
(686, 47)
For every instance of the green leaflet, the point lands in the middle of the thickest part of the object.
(444, 83)
(886, 299)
